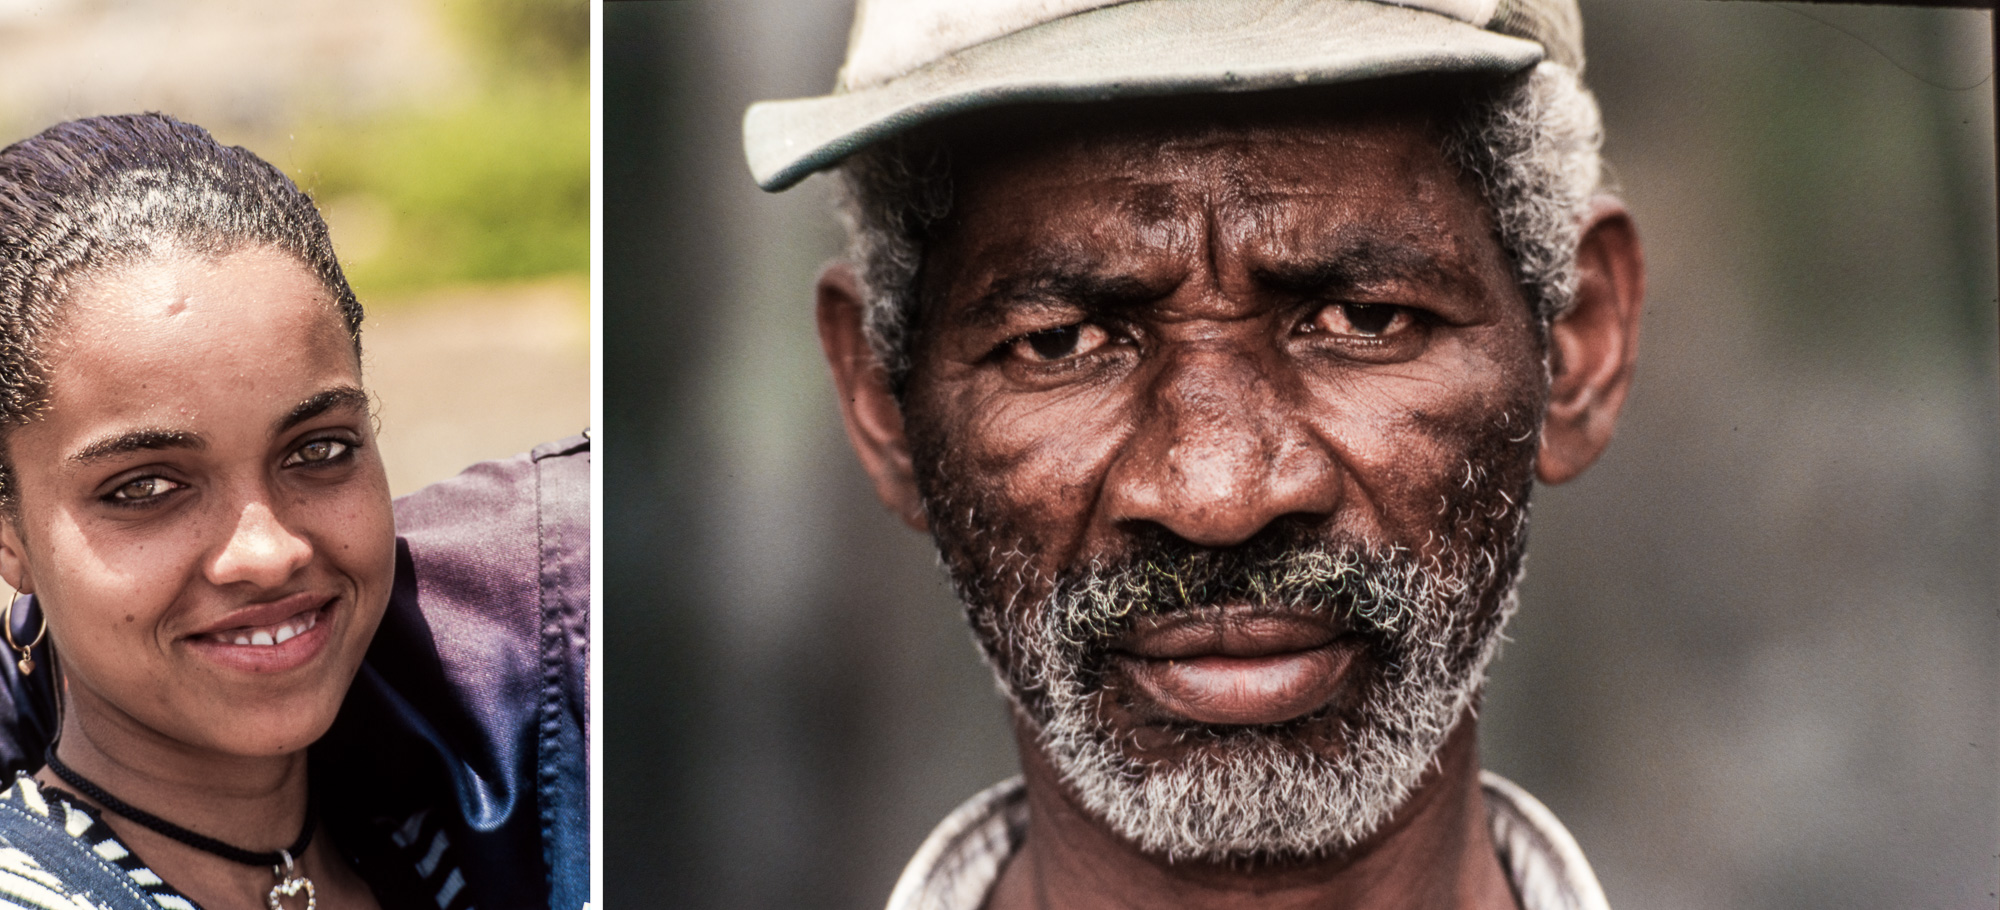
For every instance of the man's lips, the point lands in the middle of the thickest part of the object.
(1236, 668)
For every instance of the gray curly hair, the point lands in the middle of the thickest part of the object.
(1532, 144)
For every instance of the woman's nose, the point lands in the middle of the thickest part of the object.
(261, 549)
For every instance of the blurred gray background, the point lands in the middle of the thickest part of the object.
(1756, 665)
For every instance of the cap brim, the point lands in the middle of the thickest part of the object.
(1149, 47)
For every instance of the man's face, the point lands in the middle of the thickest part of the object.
(1226, 435)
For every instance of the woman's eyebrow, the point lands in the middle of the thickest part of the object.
(345, 396)
(135, 441)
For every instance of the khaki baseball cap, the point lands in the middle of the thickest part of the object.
(910, 62)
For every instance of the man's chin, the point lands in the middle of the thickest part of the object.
(1324, 768)
(1284, 711)
(1239, 794)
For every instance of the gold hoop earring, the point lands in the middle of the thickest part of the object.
(27, 661)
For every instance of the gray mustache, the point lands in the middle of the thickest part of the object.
(1286, 569)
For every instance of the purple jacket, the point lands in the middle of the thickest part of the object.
(471, 709)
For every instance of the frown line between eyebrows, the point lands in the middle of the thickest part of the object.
(1066, 286)
(345, 396)
(1350, 263)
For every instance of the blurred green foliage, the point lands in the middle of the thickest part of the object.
(490, 185)
(527, 34)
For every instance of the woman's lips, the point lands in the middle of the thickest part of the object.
(1237, 669)
(266, 636)
(269, 638)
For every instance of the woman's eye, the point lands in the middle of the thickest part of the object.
(1363, 320)
(319, 451)
(1061, 343)
(142, 489)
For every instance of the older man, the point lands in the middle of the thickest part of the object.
(1218, 343)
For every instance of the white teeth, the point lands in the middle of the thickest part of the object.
(280, 635)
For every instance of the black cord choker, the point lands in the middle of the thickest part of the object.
(282, 862)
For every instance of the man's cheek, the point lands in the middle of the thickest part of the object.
(1487, 488)
(1400, 470)
(1042, 484)
(989, 541)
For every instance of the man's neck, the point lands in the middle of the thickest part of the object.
(1435, 851)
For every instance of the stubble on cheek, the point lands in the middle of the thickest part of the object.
(1478, 504)
(992, 566)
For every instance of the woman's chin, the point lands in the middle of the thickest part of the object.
(267, 731)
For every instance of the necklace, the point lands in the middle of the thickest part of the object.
(290, 880)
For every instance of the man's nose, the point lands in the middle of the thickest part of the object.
(1223, 447)
(261, 549)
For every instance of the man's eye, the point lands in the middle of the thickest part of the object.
(1362, 320)
(1060, 343)
(320, 451)
(142, 489)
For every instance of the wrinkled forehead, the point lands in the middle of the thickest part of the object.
(1300, 170)
(1232, 170)
(1077, 168)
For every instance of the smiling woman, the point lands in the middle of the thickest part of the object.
(187, 512)
(192, 495)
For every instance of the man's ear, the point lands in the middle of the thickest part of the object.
(874, 419)
(1594, 344)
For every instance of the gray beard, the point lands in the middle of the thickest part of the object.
(1252, 792)
(1257, 792)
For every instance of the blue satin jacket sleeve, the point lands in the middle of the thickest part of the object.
(472, 702)
(475, 688)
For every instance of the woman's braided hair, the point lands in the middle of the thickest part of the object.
(88, 195)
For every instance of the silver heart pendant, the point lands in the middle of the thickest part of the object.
(290, 888)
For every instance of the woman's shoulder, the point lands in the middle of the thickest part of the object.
(59, 855)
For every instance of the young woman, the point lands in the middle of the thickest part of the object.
(189, 489)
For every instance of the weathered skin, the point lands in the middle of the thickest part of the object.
(1138, 329)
